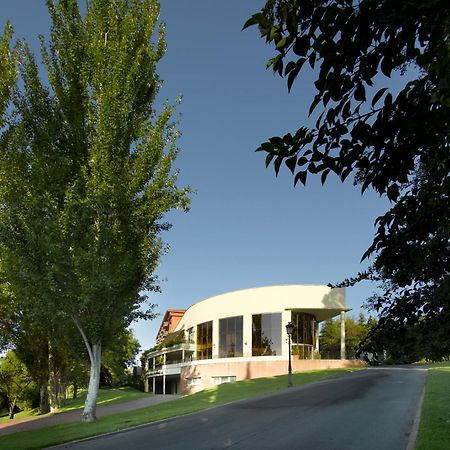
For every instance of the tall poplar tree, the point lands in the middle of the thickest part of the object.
(87, 173)
(7, 72)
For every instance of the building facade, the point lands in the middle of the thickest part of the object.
(242, 335)
(169, 323)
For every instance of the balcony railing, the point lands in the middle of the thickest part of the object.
(173, 348)
(302, 351)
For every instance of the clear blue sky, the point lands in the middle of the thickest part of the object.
(246, 228)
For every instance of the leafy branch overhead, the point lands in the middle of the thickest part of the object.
(370, 133)
(395, 141)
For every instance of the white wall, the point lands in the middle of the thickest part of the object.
(321, 301)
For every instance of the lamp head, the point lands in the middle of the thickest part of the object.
(289, 328)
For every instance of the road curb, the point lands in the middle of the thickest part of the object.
(415, 427)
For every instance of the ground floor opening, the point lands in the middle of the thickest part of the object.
(164, 384)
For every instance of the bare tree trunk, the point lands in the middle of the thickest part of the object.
(75, 389)
(53, 380)
(44, 405)
(12, 407)
(90, 407)
(95, 356)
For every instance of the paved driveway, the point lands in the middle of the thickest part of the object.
(372, 410)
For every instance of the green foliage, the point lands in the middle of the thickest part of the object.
(413, 343)
(355, 334)
(136, 379)
(102, 71)
(120, 354)
(144, 355)
(15, 383)
(86, 170)
(8, 315)
(394, 142)
(172, 339)
(7, 71)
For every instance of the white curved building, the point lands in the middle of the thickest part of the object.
(241, 335)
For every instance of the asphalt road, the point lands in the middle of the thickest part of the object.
(372, 409)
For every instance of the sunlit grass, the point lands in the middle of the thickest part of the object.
(105, 396)
(434, 430)
(21, 415)
(219, 395)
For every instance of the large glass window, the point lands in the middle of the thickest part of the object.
(204, 340)
(230, 337)
(303, 332)
(266, 334)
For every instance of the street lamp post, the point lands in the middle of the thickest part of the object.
(289, 329)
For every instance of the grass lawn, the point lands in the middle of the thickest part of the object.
(434, 430)
(216, 396)
(105, 396)
(4, 415)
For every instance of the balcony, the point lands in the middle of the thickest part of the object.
(168, 360)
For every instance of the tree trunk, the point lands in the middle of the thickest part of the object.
(44, 405)
(90, 407)
(62, 390)
(75, 389)
(95, 356)
(12, 407)
(53, 380)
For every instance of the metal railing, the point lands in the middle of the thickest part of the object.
(302, 351)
